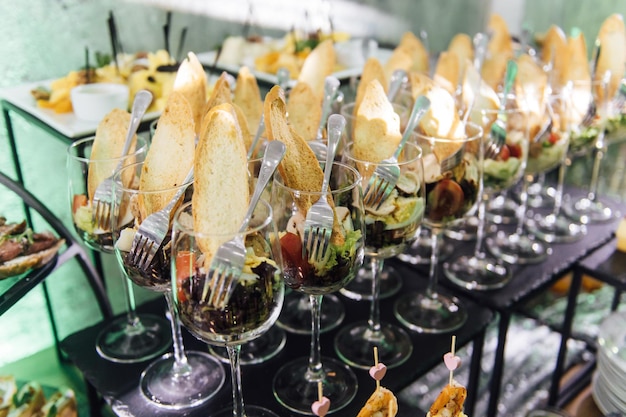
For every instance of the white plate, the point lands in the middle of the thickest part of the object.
(612, 339)
(66, 123)
(208, 59)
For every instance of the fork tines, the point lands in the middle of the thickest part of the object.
(220, 280)
(377, 191)
(316, 242)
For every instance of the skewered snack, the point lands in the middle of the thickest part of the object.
(382, 403)
(21, 249)
(449, 402)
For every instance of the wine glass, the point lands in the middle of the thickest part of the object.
(451, 194)
(555, 227)
(520, 247)
(254, 304)
(500, 173)
(295, 384)
(590, 209)
(180, 379)
(388, 229)
(133, 337)
(271, 342)
(389, 281)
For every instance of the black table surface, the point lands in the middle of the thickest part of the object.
(606, 264)
(530, 280)
(12, 289)
(118, 383)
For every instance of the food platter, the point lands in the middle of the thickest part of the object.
(65, 123)
(208, 60)
(609, 381)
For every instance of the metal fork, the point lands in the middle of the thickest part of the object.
(592, 110)
(153, 230)
(398, 78)
(387, 173)
(104, 195)
(318, 225)
(497, 132)
(229, 259)
(620, 97)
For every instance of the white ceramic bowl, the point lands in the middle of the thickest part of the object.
(92, 102)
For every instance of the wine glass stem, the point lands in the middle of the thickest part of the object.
(133, 325)
(431, 290)
(521, 209)
(315, 372)
(235, 375)
(181, 366)
(558, 195)
(480, 229)
(598, 154)
(374, 320)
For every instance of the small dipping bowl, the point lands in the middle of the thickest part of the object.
(91, 102)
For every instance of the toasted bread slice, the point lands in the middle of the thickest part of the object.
(376, 126)
(612, 37)
(304, 110)
(554, 50)
(382, 403)
(400, 59)
(221, 189)
(243, 125)
(500, 42)
(493, 70)
(416, 50)
(461, 45)
(448, 71)
(299, 168)
(319, 64)
(576, 68)
(484, 98)
(220, 94)
(248, 97)
(170, 156)
(531, 86)
(191, 82)
(372, 70)
(107, 146)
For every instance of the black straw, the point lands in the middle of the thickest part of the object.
(87, 70)
(113, 37)
(166, 31)
(181, 44)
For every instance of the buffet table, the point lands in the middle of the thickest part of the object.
(118, 383)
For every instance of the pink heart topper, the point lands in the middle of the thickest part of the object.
(378, 371)
(320, 408)
(452, 361)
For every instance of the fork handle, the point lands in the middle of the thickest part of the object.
(274, 152)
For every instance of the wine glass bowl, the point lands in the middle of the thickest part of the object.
(295, 383)
(180, 379)
(255, 302)
(450, 196)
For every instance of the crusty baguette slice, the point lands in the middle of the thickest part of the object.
(191, 82)
(170, 156)
(531, 87)
(500, 42)
(382, 403)
(576, 68)
(304, 110)
(243, 125)
(461, 45)
(319, 64)
(484, 98)
(299, 168)
(493, 70)
(416, 50)
(221, 93)
(448, 71)
(108, 145)
(221, 189)
(554, 51)
(376, 126)
(24, 263)
(612, 37)
(248, 97)
(372, 70)
(400, 59)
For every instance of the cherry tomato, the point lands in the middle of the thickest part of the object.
(78, 201)
(185, 262)
(446, 199)
(505, 153)
(515, 150)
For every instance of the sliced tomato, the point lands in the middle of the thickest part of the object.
(185, 263)
(515, 150)
(446, 199)
(505, 153)
(78, 201)
(291, 248)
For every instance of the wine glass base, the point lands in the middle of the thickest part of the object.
(419, 253)
(463, 231)
(477, 273)
(587, 211)
(251, 411)
(295, 317)
(123, 343)
(517, 250)
(354, 345)
(424, 314)
(360, 288)
(556, 229)
(502, 210)
(539, 196)
(296, 390)
(264, 347)
(162, 386)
